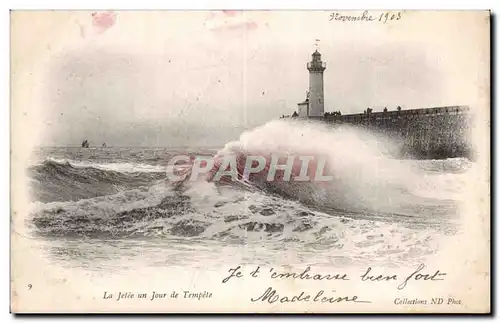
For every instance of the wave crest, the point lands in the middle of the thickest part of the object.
(63, 181)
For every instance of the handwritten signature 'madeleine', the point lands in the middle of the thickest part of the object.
(271, 295)
(383, 17)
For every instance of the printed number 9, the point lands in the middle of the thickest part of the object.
(29, 286)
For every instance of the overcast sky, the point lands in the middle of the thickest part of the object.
(201, 78)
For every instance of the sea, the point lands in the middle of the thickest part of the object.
(105, 209)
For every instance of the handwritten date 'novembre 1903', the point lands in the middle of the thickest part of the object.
(384, 17)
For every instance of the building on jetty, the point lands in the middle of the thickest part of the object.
(428, 133)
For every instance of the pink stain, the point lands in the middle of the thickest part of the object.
(230, 13)
(103, 20)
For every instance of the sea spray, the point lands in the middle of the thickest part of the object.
(360, 172)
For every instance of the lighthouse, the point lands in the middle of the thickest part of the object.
(314, 105)
(316, 97)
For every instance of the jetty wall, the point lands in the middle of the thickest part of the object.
(431, 133)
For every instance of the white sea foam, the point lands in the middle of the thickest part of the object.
(117, 167)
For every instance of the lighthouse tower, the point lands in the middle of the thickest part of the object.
(316, 97)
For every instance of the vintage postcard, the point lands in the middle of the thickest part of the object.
(248, 161)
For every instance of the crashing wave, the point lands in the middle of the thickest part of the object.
(362, 174)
